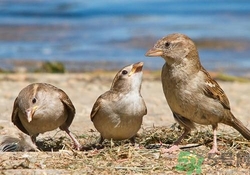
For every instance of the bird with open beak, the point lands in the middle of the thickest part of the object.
(117, 114)
(191, 93)
(41, 107)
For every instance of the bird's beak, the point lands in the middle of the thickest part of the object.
(137, 67)
(30, 112)
(154, 52)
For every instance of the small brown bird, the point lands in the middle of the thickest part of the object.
(117, 114)
(41, 107)
(193, 96)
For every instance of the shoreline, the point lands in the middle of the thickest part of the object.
(36, 66)
(75, 65)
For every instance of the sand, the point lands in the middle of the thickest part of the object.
(84, 89)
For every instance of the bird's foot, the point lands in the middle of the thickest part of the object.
(172, 149)
(214, 151)
(77, 146)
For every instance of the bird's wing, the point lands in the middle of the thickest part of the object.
(15, 118)
(95, 108)
(144, 104)
(107, 96)
(213, 90)
(69, 107)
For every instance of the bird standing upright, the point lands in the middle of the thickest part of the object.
(191, 93)
(117, 114)
(41, 107)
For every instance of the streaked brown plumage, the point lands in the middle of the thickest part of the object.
(41, 107)
(193, 96)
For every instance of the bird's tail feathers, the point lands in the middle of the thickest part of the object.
(239, 126)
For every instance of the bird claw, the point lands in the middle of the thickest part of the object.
(214, 151)
(77, 146)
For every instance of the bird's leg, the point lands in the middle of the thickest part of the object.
(214, 149)
(77, 145)
(175, 146)
(101, 139)
(33, 138)
(132, 140)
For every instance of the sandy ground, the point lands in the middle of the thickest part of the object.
(84, 88)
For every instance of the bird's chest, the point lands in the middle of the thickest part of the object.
(129, 105)
(121, 119)
(179, 90)
(125, 111)
(45, 119)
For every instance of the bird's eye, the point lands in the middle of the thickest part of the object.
(34, 100)
(124, 72)
(167, 44)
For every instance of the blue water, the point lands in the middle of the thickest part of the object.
(122, 31)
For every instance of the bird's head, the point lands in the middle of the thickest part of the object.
(31, 111)
(174, 48)
(128, 78)
(32, 99)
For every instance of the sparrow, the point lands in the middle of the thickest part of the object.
(118, 113)
(41, 107)
(191, 93)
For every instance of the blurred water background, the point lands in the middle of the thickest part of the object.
(90, 35)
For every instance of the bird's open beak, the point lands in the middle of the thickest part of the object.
(137, 67)
(154, 52)
(30, 112)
